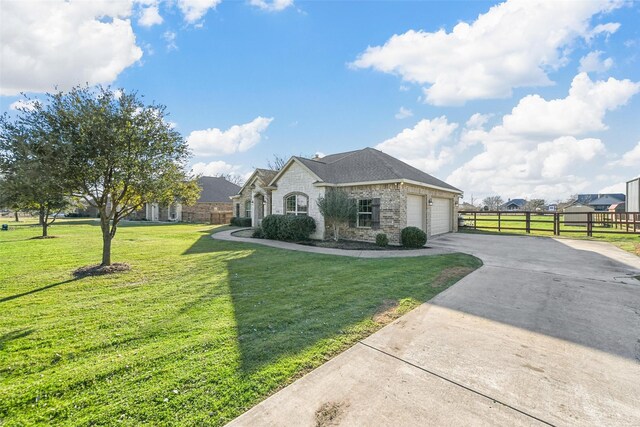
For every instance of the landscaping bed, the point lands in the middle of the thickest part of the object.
(340, 244)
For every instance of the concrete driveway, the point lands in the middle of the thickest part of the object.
(547, 332)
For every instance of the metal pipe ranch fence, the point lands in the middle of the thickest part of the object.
(554, 222)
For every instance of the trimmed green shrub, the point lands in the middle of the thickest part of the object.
(240, 221)
(413, 237)
(258, 233)
(382, 240)
(288, 227)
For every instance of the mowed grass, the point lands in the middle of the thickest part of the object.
(195, 334)
(628, 242)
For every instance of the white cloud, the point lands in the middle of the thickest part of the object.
(607, 29)
(194, 10)
(64, 43)
(424, 146)
(581, 111)
(238, 138)
(630, 158)
(170, 38)
(215, 168)
(403, 113)
(537, 150)
(477, 121)
(271, 6)
(593, 63)
(149, 14)
(620, 188)
(22, 104)
(484, 60)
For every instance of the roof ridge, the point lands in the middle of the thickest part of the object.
(382, 157)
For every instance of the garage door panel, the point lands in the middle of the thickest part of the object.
(440, 216)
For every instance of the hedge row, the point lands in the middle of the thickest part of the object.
(241, 222)
(288, 227)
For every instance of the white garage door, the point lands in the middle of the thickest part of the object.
(440, 216)
(415, 211)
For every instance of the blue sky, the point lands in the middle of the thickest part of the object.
(521, 99)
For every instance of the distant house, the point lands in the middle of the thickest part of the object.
(212, 203)
(602, 204)
(551, 207)
(389, 194)
(214, 198)
(513, 205)
(468, 207)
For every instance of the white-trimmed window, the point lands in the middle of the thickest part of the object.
(247, 209)
(365, 213)
(296, 204)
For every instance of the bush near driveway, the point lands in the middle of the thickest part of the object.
(413, 237)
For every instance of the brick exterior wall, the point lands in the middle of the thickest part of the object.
(393, 210)
(298, 180)
(201, 212)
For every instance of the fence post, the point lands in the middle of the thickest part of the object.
(528, 222)
(589, 224)
(556, 223)
(475, 223)
(499, 225)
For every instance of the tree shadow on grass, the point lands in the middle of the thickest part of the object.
(33, 291)
(14, 335)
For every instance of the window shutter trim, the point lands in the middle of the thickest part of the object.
(375, 214)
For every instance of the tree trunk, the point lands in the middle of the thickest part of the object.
(106, 239)
(41, 219)
(106, 248)
(335, 232)
(45, 229)
(16, 215)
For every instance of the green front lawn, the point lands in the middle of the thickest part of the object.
(196, 333)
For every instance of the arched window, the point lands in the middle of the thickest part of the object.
(247, 209)
(296, 204)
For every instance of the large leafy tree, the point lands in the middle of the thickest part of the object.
(337, 209)
(121, 153)
(31, 166)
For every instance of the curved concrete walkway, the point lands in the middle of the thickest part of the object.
(428, 251)
(547, 332)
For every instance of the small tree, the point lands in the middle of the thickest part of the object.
(492, 202)
(535, 205)
(32, 167)
(121, 154)
(337, 209)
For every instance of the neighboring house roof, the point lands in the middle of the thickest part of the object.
(366, 165)
(515, 202)
(585, 199)
(605, 201)
(216, 189)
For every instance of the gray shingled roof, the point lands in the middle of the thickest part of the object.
(518, 202)
(216, 189)
(605, 200)
(367, 165)
(266, 175)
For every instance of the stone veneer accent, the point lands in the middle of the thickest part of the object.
(393, 210)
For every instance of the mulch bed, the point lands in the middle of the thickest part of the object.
(353, 245)
(99, 270)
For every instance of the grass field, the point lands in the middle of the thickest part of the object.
(628, 242)
(195, 333)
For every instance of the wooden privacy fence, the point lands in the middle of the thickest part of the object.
(221, 217)
(554, 222)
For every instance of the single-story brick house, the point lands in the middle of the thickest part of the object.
(213, 202)
(390, 194)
